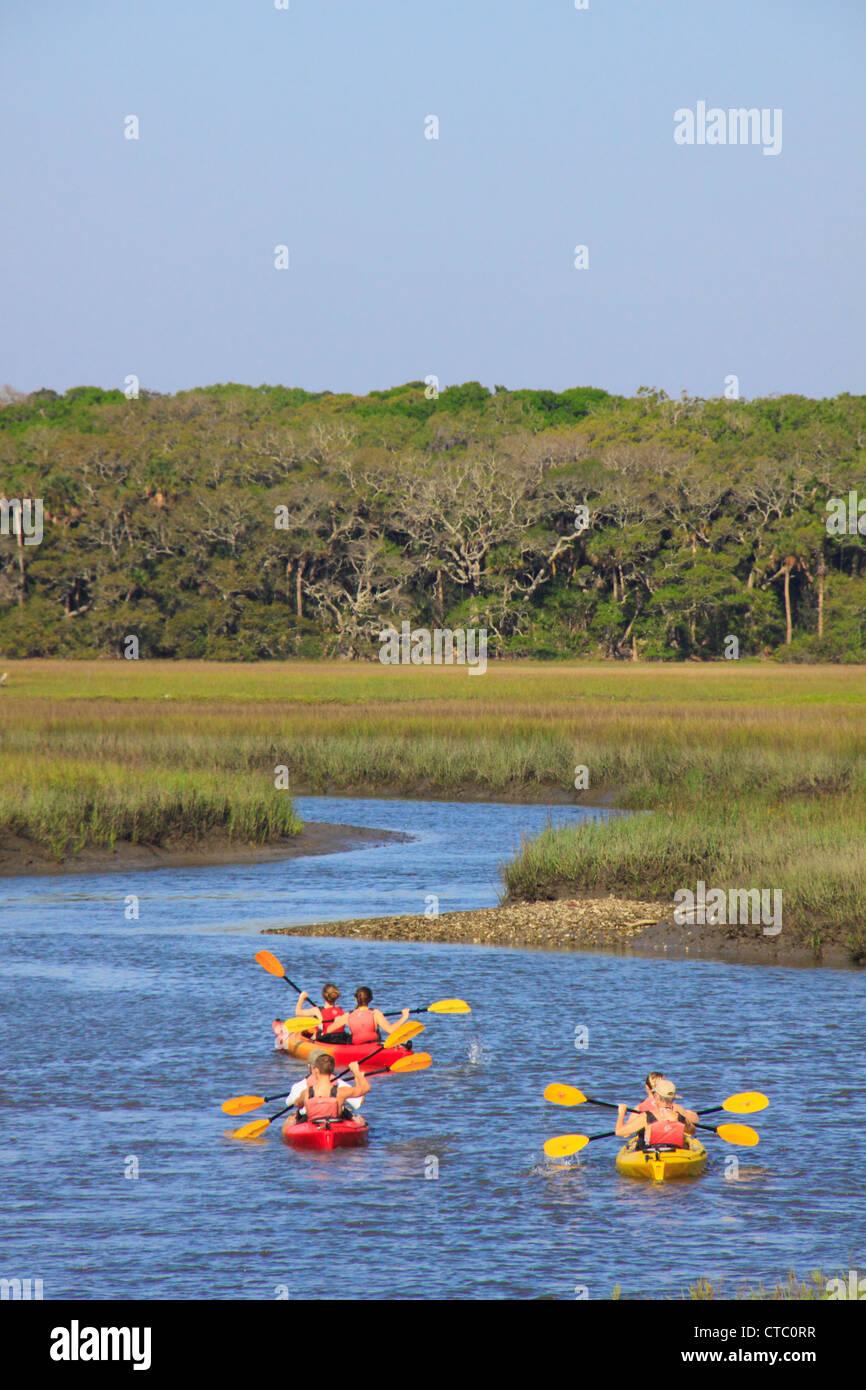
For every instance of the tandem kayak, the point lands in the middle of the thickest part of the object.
(660, 1165)
(329, 1134)
(371, 1056)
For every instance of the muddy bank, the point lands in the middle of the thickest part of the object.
(19, 856)
(585, 924)
(602, 797)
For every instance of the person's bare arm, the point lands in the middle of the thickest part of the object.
(690, 1120)
(381, 1021)
(301, 1012)
(360, 1088)
(625, 1128)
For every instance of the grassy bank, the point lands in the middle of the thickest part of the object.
(63, 804)
(755, 774)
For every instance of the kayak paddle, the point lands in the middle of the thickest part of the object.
(743, 1103)
(257, 1127)
(268, 961)
(564, 1144)
(444, 1006)
(241, 1105)
(299, 1023)
(399, 1035)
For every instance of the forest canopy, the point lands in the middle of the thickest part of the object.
(244, 523)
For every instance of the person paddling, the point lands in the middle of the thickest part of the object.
(363, 1023)
(326, 1013)
(295, 1096)
(662, 1124)
(323, 1098)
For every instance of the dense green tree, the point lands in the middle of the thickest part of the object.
(264, 522)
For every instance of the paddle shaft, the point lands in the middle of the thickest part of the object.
(298, 1103)
(609, 1105)
(612, 1134)
(381, 1072)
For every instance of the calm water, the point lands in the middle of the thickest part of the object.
(120, 1038)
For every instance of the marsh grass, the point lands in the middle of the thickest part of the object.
(756, 775)
(66, 804)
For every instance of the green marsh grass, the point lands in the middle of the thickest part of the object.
(755, 774)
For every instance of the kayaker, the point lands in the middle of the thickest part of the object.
(325, 1099)
(363, 1022)
(661, 1124)
(300, 1087)
(326, 1013)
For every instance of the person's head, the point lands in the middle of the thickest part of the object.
(652, 1078)
(330, 993)
(323, 1063)
(664, 1090)
(363, 997)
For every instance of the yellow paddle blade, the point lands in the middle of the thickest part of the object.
(558, 1094)
(270, 963)
(239, 1105)
(252, 1130)
(739, 1134)
(449, 1006)
(300, 1024)
(403, 1033)
(565, 1144)
(418, 1061)
(745, 1103)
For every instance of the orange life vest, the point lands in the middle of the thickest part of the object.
(322, 1107)
(362, 1026)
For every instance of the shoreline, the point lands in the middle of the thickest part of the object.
(621, 925)
(21, 858)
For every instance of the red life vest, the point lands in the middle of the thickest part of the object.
(329, 1012)
(322, 1107)
(362, 1026)
(667, 1132)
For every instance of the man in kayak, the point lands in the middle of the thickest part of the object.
(322, 1098)
(363, 1022)
(297, 1091)
(326, 1013)
(662, 1123)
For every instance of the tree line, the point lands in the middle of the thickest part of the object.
(243, 523)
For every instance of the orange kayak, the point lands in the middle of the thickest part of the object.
(371, 1056)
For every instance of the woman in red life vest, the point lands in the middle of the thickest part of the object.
(363, 1022)
(662, 1124)
(326, 1013)
(325, 1099)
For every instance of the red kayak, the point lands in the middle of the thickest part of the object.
(371, 1056)
(327, 1134)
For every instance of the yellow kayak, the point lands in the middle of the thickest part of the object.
(660, 1165)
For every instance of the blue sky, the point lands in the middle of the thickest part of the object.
(410, 256)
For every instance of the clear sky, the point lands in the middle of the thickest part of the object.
(410, 256)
